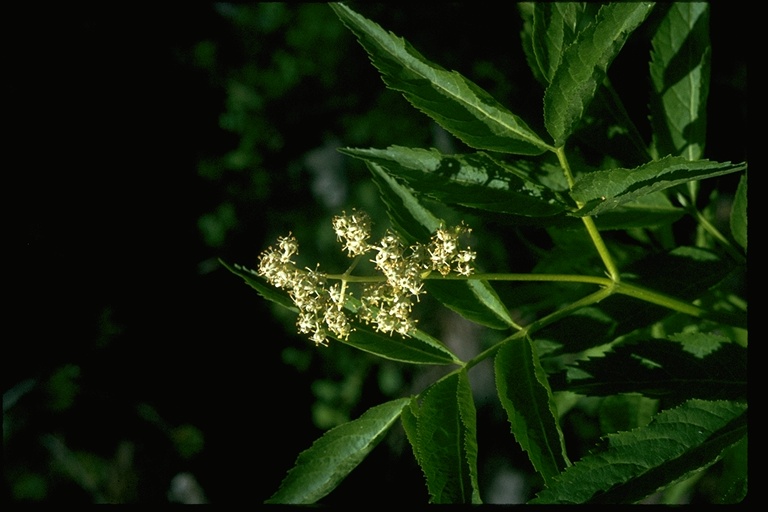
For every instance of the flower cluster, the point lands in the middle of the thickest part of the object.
(320, 310)
(385, 303)
(354, 230)
(445, 254)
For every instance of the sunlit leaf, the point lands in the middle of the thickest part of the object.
(476, 180)
(601, 191)
(555, 26)
(661, 369)
(475, 300)
(645, 211)
(258, 283)
(442, 431)
(738, 218)
(527, 398)
(320, 468)
(456, 103)
(680, 68)
(585, 63)
(418, 348)
(635, 464)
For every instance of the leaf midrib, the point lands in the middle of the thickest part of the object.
(415, 66)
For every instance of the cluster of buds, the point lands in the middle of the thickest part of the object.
(388, 303)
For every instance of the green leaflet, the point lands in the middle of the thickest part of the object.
(258, 283)
(637, 463)
(551, 34)
(526, 397)
(476, 180)
(605, 125)
(601, 191)
(733, 486)
(454, 102)
(686, 273)
(475, 300)
(661, 369)
(738, 219)
(585, 63)
(679, 69)
(441, 428)
(555, 26)
(320, 468)
(645, 211)
(419, 348)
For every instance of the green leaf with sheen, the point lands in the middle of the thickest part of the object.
(605, 125)
(738, 219)
(661, 369)
(686, 273)
(418, 348)
(650, 210)
(475, 300)
(635, 464)
(258, 283)
(585, 64)
(602, 191)
(441, 427)
(323, 466)
(527, 398)
(476, 181)
(680, 70)
(555, 26)
(453, 101)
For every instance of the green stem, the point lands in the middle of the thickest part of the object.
(345, 278)
(561, 278)
(712, 230)
(631, 290)
(608, 284)
(560, 152)
(534, 326)
(681, 306)
(602, 249)
(589, 223)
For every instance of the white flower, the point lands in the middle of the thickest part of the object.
(354, 230)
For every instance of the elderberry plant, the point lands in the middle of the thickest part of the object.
(654, 322)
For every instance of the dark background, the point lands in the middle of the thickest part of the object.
(125, 337)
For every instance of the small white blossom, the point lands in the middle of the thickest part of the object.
(354, 230)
